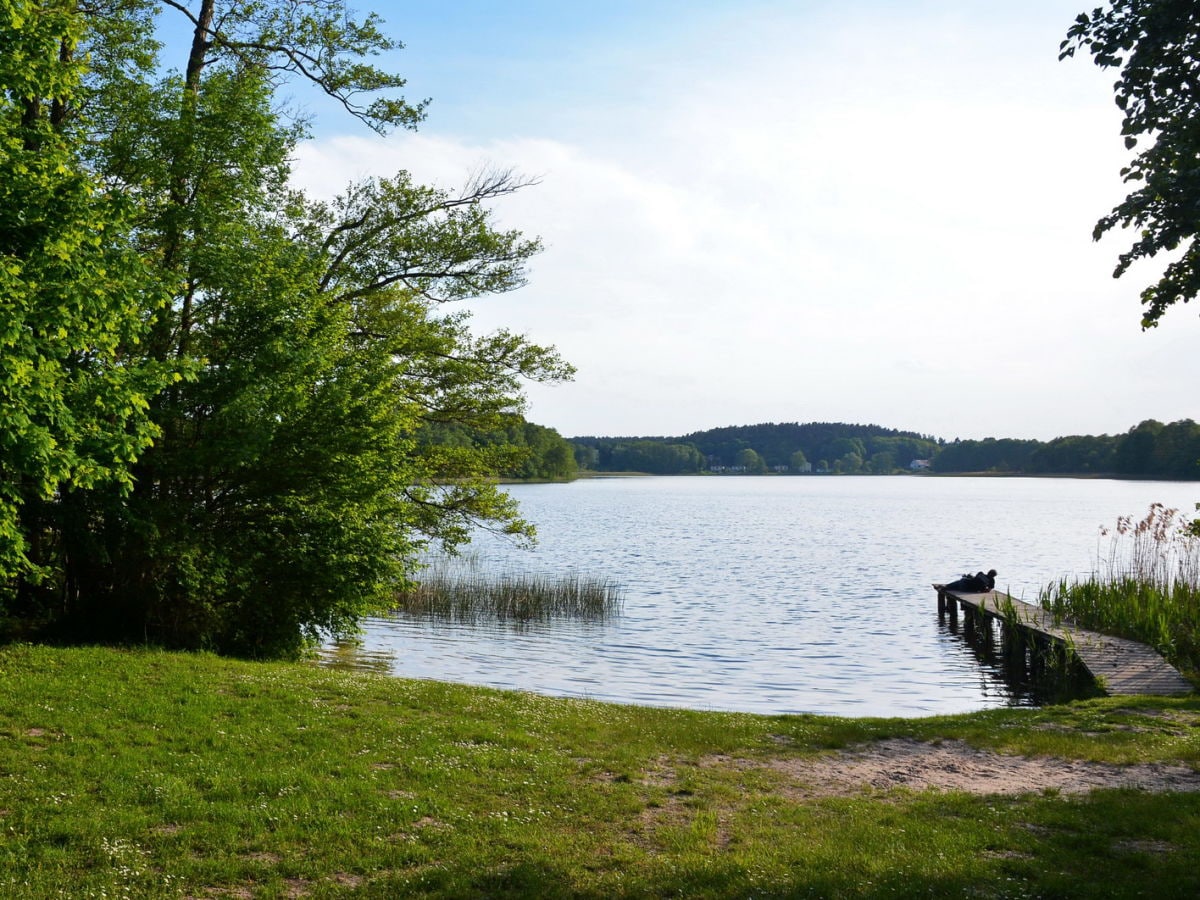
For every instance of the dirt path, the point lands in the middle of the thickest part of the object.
(956, 766)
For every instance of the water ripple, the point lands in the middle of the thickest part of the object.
(772, 595)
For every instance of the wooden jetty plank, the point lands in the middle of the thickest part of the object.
(1121, 666)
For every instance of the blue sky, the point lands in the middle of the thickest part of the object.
(848, 211)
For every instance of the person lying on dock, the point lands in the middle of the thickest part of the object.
(979, 583)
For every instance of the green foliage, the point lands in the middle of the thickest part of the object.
(1163, 451)
(798, 462)
(776, 442)
(988, 455)
(749, 461)
(849, 464)
(903, 450)
(587, 457)
(1146, 586)
(881, 463)
(73, 402)
(1155, 44)
(289, 489)
(1075, 455)
(1151, 449)
(517, 449)
(788, 445)
(654, 456)
(845, 448)
(457, 588)
(151, 775)
(321, 42)
(547, 456)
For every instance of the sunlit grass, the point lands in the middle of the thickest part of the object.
(459, 589)
(1146, 586)
(153, 775)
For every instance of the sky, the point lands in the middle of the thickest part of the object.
(854, 211)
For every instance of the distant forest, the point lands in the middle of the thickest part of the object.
(1149, 450)
(523, 450)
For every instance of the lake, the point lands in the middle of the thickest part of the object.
(770, 594)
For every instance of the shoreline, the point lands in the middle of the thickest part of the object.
(146, 774)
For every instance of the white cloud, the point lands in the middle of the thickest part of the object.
(859, 228)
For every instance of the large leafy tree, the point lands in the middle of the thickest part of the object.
(289, 490)
(74, 297)
(1156, 46)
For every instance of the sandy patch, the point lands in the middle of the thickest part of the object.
(956, 766)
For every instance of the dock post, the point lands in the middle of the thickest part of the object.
(1040, 649)
(1034, 642)
(1012, 652)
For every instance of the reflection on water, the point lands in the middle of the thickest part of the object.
(1033, 675)
(772, 595)
(352, 654)
(461, 589)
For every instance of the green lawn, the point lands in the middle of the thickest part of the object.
(146, 774)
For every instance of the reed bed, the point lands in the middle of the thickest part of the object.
(459, 590)
(1146, 586)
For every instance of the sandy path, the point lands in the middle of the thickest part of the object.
(956, 766)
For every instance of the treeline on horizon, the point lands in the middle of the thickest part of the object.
(1151, 449)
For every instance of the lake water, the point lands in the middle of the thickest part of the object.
(770, 594)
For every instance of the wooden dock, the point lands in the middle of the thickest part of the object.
(1120, 667)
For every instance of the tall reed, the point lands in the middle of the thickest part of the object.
(458, 589)
(1146, 586)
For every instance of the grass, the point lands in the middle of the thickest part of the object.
(1146, 587)
(457, 589)
(145, 774)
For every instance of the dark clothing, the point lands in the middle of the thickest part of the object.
(979, 583)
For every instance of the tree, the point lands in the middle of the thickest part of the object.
(289, 490)
(988, 455)
(557, 458)
(881, 463)
(903, 450)
(536, 452)
(841, 448)
(73, 400)
(848, 464)
(1156, 45)
(1158, 450)
(750, 461)
(653, 456)
(587, 457)
(1075, 453)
